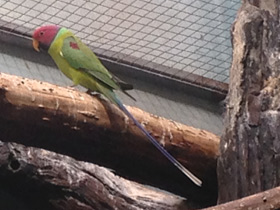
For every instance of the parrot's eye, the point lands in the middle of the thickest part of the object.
(42, 33)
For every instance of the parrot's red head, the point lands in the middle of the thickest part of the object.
(43, 37)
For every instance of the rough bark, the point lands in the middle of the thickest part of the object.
(250, 146)
(46, 180)
(74, 123)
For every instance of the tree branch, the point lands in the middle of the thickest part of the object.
(46, 180)
(87, 128)
(269, 199)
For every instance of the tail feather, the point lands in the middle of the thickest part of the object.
(123, 85)
(130, 96)
(192, 177)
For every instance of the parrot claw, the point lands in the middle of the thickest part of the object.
(89, 91)
(93, 93)
(96, 94)
(72, 87)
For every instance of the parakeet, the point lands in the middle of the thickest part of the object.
(81, 65)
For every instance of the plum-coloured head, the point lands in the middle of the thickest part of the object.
(43, 37)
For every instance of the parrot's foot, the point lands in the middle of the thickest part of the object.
(72, 87)
(96, 94)
(93, 93)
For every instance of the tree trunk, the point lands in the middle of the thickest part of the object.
(40, 179)
(250, 146)
(87, 128)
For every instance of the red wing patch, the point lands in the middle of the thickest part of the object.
(74, 45)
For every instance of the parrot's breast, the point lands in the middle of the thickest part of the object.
(77, 76)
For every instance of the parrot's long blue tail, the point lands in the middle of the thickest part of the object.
(159, 147)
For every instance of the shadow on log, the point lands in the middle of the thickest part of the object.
(71, 122)
(41, 179)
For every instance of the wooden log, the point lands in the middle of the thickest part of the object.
(87, 128)
(41, 179)
(249, 161)
(267, 200)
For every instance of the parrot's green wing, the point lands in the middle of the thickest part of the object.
(80, 57)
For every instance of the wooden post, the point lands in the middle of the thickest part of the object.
(250, 146)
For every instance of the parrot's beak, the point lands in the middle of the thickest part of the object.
(36, 45)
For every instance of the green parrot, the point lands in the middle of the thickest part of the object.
(82, 66)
